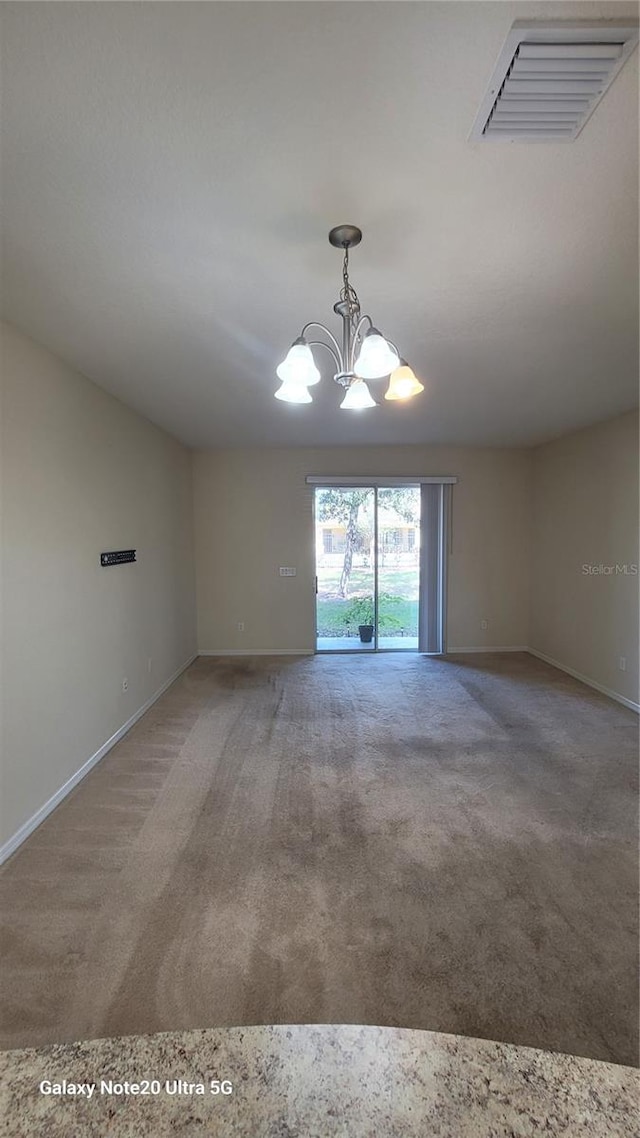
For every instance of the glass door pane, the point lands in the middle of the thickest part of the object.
(398, 566)
(345, 568)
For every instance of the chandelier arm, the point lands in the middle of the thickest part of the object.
(321, 344)
(315, 324)
(357, 336)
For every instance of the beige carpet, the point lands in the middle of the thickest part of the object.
(388, 840)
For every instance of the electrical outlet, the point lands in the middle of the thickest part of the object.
(484, 624)
(240, 626)
(622, 663)
(125, 685)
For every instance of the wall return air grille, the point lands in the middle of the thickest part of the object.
(550, 77)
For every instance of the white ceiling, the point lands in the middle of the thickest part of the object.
(171, 171)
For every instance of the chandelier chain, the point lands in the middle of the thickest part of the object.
(348, 292)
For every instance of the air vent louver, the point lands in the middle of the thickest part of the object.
(549, 79)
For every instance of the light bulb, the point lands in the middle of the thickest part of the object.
(357, 397)
(298, 366)
(292, 392)
(403, 383)
(377, 358)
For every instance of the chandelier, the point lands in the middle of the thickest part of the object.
(364, 354)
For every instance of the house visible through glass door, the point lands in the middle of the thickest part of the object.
(367, 567)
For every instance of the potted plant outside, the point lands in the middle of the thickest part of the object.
(361, 612)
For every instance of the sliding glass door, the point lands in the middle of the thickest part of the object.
(398, 565)
(379, 567)
(345, 568)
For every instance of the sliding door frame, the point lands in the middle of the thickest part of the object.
(433, 566)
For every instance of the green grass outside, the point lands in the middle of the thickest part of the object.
(395, 618)
(331, 620)
(401, 582)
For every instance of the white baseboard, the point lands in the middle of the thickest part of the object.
(311, 652)
(32, 823)
(585, 679)
(508, 648)
(255, 651)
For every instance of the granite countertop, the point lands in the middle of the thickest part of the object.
(314, 1082)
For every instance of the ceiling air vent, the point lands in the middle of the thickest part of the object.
(549, 79)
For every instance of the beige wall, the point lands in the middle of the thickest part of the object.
(81, 473)
(253, 514)
(585, 513)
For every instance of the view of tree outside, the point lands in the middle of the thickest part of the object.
(345, 558)
(346, 508)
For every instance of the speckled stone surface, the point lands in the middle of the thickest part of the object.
(318, 1082)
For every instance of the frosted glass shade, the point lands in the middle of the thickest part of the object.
(357, 397)
(293, 393)
(298, 366)
(403, 383)
(377, 358)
